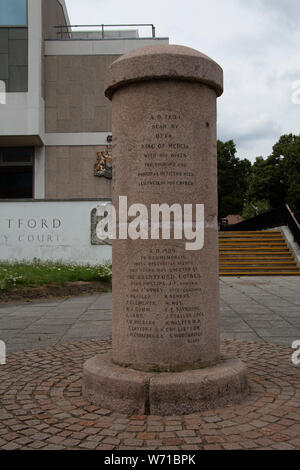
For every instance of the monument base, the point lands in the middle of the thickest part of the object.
(176, 393)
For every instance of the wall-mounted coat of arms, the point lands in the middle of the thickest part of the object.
(103, 166)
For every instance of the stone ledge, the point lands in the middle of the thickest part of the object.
(114, 387)
(163, 62)
(134, 392)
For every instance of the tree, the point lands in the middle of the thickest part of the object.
(288, 150)
(254, 208)
(233, 175)
(266, 181)
(277, 179)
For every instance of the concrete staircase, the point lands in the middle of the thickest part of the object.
(261, 253)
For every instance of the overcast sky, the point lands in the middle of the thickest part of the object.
(257, 42)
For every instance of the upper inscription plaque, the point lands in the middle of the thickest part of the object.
(164, 153)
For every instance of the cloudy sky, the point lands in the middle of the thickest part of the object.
(257, 42)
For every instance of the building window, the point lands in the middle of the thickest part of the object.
(13, 12)
(16, 173)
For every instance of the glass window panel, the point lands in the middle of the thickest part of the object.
(13, 12)
(16, 159)
(16, 156)
(16, 183)
(16, 172)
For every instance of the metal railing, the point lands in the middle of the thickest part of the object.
(271, 219)
(65, 32)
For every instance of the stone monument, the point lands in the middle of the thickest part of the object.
(166, 340)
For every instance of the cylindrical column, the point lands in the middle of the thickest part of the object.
(166, 341)
(165, 297)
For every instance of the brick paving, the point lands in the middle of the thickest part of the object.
(42, 406)
(40, 389)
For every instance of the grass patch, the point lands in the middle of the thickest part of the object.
(38, 273)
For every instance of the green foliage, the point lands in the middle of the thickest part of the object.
(254, 208)
(277, 178)
(39, 273)
(267, 184)
(233, 175)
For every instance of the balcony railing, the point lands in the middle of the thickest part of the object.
(100, 32)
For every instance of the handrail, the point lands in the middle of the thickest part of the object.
(65, 29)
(271, 219)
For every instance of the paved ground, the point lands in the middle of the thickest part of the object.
(37, 325)
(42, 406)
(261, 309)
(252, 309)
(40, 390)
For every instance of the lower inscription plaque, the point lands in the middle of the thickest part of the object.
(163, 298)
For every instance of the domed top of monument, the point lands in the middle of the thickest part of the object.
(163, 62)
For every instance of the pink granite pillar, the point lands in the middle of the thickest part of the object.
(165, 298)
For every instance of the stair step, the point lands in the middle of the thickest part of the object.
(250, 231)
(254, 250)
(250, 273)
(253, 263)
(251, 245)
(250, 234)
(252, 240)
(252, 258)
(256, 269)
(252, 253)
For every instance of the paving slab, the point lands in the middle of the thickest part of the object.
(258, 309)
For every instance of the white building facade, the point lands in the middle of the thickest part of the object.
(54, 118)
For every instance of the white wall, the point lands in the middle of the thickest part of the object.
(50, 230)
(99, 47)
